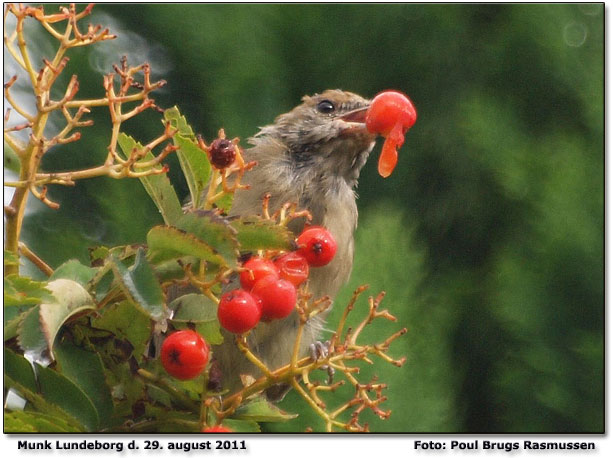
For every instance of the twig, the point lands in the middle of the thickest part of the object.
(38, 262)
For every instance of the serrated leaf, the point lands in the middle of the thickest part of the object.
(16, 423)
(261, 410)
(19, 291)
(12, 319)
(141, 285)
(62, 392)
(127, 322)
(224, 203)
(11, 325)
(85, 369)
(74, 270)
(41, 324)
(254, 233)
(178, 121)
(214, 230)
(41, 404)
(19, 369)
(70, 298)
(195, 165)
(167, 242)
(157, 186)
(10, 258)
(35, 422)
(199, 310)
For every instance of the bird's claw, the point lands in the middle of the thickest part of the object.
(320, 350)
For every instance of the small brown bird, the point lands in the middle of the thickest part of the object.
(311, 156)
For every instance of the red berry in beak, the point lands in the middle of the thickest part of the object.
(391, 114)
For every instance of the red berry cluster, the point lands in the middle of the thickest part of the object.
(269, 285)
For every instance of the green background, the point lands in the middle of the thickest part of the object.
(488, 237)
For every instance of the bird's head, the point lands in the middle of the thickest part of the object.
(326, 134)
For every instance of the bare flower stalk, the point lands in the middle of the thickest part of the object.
(120, 88)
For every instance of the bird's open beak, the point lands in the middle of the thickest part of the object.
(358, 115)
(356, 121)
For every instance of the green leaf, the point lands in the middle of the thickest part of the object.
(214, 230)
(62, 392)
(126, 321)
(41, 324)
(11, 324)
(195, 165)
(74, 270)
(241, 426)
(199, 310)
(12, 320)
(141, 285)
(171, 269)
(39, 403)
(19, 369)
(262, 410)
(254, 233)
(70, 298)
(10, 259)
(157, 186)
(85, 369)
(20, 291)
(178, 121)
(167, 242)
(158, 395)
(36, 422)
(30, 336)
(14, 422)
(224, 203)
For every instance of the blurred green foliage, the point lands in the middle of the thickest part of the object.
(488, 237)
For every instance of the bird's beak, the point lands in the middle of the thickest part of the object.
(358, 115)
(356, 121)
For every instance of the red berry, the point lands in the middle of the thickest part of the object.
(293, 267)
(184, 354)
(222, 153)
(238, 311)
(317, 246)
(278, 297)
(388, 109)
(217, 429)
(390, 114)
(257, 268)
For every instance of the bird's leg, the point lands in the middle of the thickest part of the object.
(321, 350)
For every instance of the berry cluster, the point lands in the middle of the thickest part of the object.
(268, 286)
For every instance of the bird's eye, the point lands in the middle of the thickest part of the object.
(325, 106)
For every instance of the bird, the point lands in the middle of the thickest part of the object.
(311, 156)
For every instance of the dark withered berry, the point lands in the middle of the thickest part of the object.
(222, 153)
